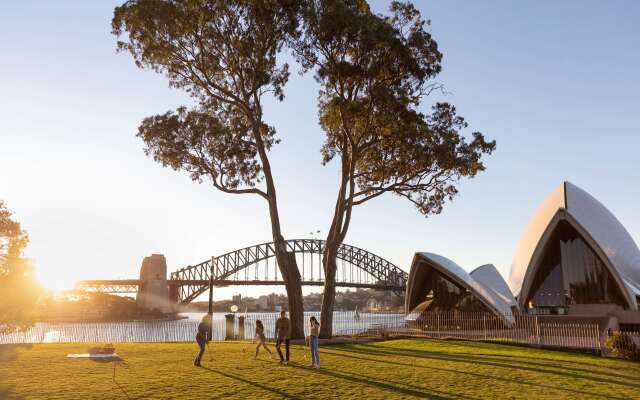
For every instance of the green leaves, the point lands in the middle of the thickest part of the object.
(13, 240)
(375, 72)
(207, 144)
(17, 284)
(224, 50)
(224, 54)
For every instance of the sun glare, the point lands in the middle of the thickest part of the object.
(55, 280)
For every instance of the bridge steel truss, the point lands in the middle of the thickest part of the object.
(376, 272)
(109, 286)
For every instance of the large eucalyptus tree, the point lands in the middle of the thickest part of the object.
(375, 73)
(224, 53)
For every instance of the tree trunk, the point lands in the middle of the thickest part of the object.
(337, 232)
(329, 294)
(286, 261)
(291, 276)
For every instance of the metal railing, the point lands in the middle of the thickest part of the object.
(527, 330)
(184, 330)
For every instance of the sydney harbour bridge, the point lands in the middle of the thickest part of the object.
(257, 265)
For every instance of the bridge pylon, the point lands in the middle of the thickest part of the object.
(154, 293)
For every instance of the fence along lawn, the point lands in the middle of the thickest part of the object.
(411, 368)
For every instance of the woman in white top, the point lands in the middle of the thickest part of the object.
(314, 331)
(261, 339)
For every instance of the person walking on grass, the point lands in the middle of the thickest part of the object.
(260, 339)
(202, 338)
(283, 334)
(314, 330)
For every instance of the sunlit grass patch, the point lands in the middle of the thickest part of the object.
(392, 369)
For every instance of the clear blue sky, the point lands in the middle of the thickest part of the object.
(555, 83)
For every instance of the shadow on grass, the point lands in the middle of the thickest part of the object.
(117, 362)
(9, 352)
(494, 360)
(252, 383)
(7, 393)
(102, 360)
(545, 362)
(598, 360)
(342, 350)
(386, 384)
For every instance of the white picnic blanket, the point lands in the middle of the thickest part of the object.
(87, 355)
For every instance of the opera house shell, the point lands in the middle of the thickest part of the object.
(574, 260)
(437, 284)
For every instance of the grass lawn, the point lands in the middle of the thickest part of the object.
(392, 369)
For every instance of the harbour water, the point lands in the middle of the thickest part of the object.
(184, 329)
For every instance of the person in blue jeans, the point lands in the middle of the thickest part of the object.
(314, 331)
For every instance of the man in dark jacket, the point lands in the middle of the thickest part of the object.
(283, 334)
(202, 338)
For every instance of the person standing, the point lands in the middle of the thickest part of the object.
(283, 334)
(202, 338)
(261, 339)
(314, 331)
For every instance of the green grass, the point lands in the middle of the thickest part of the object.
(392, 369)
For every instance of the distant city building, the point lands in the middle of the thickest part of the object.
(263, 302)
(373, 305)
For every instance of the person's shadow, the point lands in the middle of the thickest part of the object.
(256, 384)
(117, 362)
(8, 352)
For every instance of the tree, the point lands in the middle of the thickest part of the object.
(17, 283)
(374, 72)
(224, 54)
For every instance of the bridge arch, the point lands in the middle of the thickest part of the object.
(232, 268)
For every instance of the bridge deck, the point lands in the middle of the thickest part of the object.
(105, 285)
(255, 266)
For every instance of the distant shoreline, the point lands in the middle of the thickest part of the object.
(172, 317)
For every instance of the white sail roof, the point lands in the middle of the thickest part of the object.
(497, 300)
(489, 276)
(603, 231)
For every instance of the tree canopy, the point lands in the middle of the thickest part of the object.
(375, 72)
(17, 284)
(224, 54)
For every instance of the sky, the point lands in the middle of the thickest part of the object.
(554, 83)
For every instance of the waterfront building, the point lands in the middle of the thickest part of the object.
(575, 261)
(437, 284)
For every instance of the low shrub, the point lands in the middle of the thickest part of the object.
(624, 345)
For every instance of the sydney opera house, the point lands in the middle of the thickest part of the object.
(574, 262)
